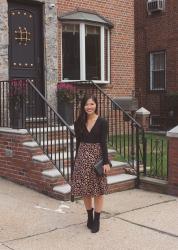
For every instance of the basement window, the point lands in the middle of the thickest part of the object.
(155, 121)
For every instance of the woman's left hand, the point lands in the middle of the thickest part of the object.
(106, 168)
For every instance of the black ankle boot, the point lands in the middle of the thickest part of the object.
(90, 218)
(96, 223)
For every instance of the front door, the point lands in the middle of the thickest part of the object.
(26, 42)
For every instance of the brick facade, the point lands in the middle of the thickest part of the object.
(156, 32)
(173, 161)
(17, 165)
(122, 40)
(50, 43)
(122, 48)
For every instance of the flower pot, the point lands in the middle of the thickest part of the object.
(66, 110)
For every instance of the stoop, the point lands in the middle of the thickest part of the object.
(29, 166)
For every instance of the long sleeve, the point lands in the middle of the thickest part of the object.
(104, 133)
(77, 134)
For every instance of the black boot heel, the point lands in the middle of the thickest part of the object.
(90, 218)
(96, 223)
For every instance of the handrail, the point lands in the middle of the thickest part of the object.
(116, 104)
(54, 135)
(23, 106)
(126, 135)
(46, 101)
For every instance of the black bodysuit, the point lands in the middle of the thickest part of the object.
(98, 134)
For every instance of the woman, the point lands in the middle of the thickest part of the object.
(91, 146)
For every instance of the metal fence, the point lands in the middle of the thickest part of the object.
(156, 156)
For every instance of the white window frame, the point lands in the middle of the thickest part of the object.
(151, 69)
(83, 52)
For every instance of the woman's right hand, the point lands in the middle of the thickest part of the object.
(106, 168)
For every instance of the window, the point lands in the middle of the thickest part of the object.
(157, 70)
(92, 47)
(155, 121)
(85, 52)
(71, 51)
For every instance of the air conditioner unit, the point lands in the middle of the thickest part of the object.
(155, 5)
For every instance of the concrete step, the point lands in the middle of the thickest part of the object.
(117, 179)
(50, 129)
(50, 133)
(120, 178)
(54, 173)
(36, 119)
(30, 144)
(57, 142)
(14, 131)
(44, 158)
(116, 164)
(62, 155)
(40, 158)
(63, 189)
(51, 173)
(51, 146)
(33, 144)
(154, 184)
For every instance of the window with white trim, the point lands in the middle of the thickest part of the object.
(157, 70)
(85, 52)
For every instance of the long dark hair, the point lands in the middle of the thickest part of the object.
(82, 118)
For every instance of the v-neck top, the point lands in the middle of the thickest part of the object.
(97, 134)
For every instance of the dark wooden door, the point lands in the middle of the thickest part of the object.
(26, 42)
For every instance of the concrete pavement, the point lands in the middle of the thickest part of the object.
(131, 220)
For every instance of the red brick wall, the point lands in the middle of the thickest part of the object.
(153, 33)
(122, 39)
(21, 169)
(173, 166)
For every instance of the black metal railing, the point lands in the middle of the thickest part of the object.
(157, 156)
(52, 133)
(125, 135)
(4, 104)
(18, 109)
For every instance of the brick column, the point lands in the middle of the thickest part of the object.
(173, 161)
(143, 116)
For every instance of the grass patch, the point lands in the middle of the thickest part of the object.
(156, 152)
(156, 155)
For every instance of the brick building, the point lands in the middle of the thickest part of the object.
(118, 58)
(67, 32)
(156, 59)
(62, 41)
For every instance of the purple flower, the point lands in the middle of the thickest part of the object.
(17, 88)
(65, 92)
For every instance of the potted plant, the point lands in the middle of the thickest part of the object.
(17, 89)
(65, 101)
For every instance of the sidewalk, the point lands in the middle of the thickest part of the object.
(131, 220)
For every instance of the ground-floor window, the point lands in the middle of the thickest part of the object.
(71, 51)
(157, 70)
(85, 51)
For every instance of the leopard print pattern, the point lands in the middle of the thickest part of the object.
(85, 182)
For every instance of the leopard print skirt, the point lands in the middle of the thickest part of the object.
(85, 182)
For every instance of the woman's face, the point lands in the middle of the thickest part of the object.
(90, 107)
